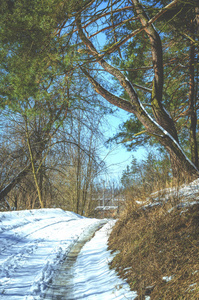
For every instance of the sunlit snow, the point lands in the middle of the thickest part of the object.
(34, 257)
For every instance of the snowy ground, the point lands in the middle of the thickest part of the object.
(46, 254)
(184, 195)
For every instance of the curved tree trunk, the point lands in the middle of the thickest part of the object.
(163, 128)
(160, 114)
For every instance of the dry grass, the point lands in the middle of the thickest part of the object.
(158, 251)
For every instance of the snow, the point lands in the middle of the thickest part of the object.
(185, 194)
(35, 247)
(98, 282)
(166, 133)
(167, 278)
(106, 207)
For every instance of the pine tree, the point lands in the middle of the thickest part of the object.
(42, 40)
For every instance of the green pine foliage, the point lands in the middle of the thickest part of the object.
(175, 29)
(31, 50)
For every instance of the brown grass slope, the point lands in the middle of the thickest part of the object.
(158, 250)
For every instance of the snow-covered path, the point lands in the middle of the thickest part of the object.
(35, 252)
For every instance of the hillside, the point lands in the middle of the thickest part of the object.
(157, 244)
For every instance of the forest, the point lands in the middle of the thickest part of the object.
(66, 67)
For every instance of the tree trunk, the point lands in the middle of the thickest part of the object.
(78, 170)
(4, 192)
(33, 166)
(192, 102)
(164, 132)
(161, 115)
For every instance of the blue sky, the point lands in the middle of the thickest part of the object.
(117, 157)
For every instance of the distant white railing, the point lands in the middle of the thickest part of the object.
(108, 203)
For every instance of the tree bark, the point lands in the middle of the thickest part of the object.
(165, 132)
(4, 192)
(160, 114)
(192, 102)
(33, 166)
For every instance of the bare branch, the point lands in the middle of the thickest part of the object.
(112, 26)
(142, 88)
(111, 98)
(104, 15)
